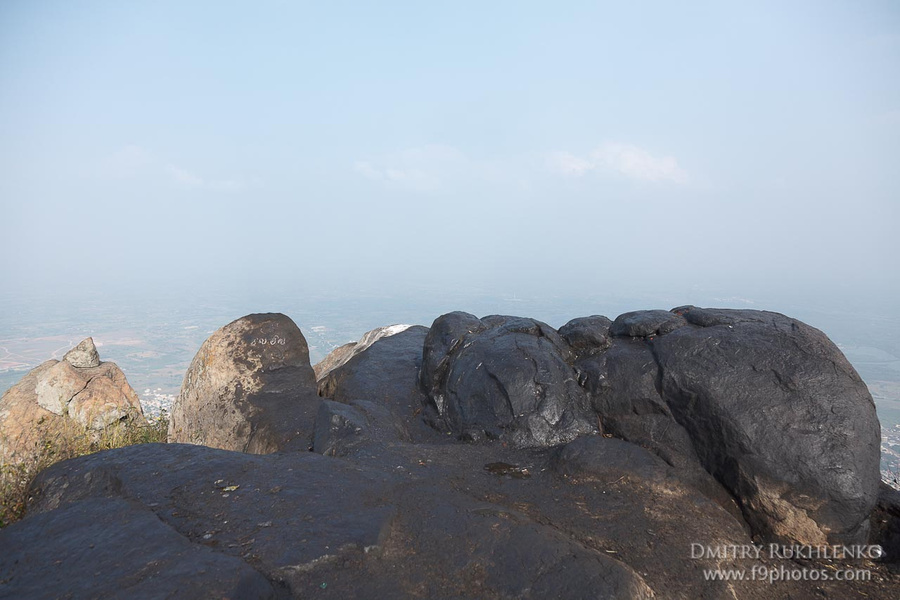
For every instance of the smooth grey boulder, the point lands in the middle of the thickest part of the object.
(84, 355)
(778, 415)
(250, 388)
(504, 377)
(57, 386)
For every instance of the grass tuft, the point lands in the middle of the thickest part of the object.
(70, 442)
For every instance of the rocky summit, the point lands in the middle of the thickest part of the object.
(691, 453)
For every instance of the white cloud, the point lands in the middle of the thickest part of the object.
(367, 170)
(127, 161)
(569, 164)
(135, 162)
(624, 159)
(184, 178)
(229, 186)
(190, 180)
(423, 169)
(636, 163)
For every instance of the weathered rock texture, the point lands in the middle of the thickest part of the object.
(504, 377)
(250, 388)
(778, 415)
(386, 373)
(75, 394)
(765, 404)
(719, 428)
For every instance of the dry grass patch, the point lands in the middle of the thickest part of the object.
(71, 441)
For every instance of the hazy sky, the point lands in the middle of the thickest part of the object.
(735, 145)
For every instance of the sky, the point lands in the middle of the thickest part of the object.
(747, 147)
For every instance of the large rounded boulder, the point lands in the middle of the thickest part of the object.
(250, 388)
(779, 416)
(504, 377)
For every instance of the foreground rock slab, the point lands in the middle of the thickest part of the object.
(328, 526)
(93, 555)
(597, 518)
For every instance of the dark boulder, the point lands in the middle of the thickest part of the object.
(342, 354)
(497, 551)
(385, 371)
(334, 359)
(249, 388)
(658, 433)
(599, 518)
(708, 317)
(778, 415)
(608, 459)
(646, 323)
(886, 524)
(622, 380)
(335, 424)
(587, 335)
(280, 513)
(444, 339)
(504, 377)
